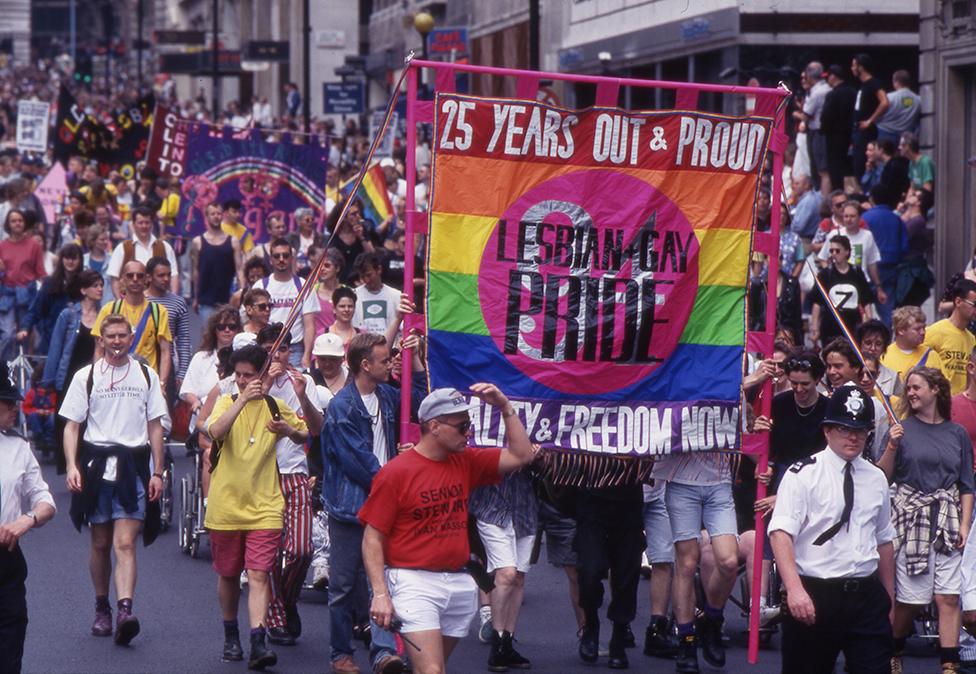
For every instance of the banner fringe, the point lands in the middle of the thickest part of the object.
(592, 470)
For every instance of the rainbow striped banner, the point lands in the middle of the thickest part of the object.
(373, 194)
(268, 178)
(593, 264)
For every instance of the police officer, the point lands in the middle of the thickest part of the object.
(21, 485)
(832, 536)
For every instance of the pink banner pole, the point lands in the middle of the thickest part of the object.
(406, 368)
(766, 401)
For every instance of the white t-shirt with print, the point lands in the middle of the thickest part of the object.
(375, 312)
(864, 250)
(283, 295)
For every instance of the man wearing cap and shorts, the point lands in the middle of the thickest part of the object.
(416, 540)
(832, 535)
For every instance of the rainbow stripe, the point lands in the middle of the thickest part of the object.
(373, 194)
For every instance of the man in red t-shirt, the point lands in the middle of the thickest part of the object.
(416, 518)
(964, 404)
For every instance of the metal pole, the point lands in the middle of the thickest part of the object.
(533, 35)
(215, 66)
(140, 15)
(73, 29)
(306, 67)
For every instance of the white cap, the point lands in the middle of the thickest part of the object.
(328, 344)
(387, 162)
(242, 339)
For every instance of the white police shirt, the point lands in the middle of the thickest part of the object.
(22, 487)
(810, 500)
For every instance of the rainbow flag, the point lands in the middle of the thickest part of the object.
(593, 265)
(373, 193)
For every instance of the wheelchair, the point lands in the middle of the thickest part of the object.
(742, 600)
(166, 500)
(192, 508)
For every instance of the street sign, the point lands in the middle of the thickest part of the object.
(32, 125)
(267, 50)
(197, 37)
(385, 148)
(343, 98)
(445, 41)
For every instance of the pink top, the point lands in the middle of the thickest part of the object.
(964, 414)
(325, 316)
(23, 261)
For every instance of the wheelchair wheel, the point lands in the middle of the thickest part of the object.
(166, 500)
(186, 516)
(194, 544)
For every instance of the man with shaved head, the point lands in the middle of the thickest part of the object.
(152, 340)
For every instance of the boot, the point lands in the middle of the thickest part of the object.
(659, 640)
(687, 662)
(618, 645)
(102, 626)
(126, 625)
(261, 655)
(515, 659)
(497, 660)
(589, 645)
(232, 649)
(281, 636)
(710, 633)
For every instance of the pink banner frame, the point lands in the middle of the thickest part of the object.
(768, 104)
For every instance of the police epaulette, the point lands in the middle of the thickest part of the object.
(798, 465)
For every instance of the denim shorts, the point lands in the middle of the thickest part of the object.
(109, 508)
(657, 530)
(696, 507)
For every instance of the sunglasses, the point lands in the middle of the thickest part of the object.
(281, 256)
(263, 306)
(135, 276)
(797, 364)
(228, 326)
(462, 427)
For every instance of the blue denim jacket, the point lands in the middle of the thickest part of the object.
(61, 347)
(44, 310)
(347, 448)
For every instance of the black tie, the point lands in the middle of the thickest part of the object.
(845, 517)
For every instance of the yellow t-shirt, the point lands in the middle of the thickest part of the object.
(241, 233)
(148, 346)
(244, 491)
(954, 345)
(901, 362)
(168, 211)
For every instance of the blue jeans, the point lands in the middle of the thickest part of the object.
(346, 574)
(888, 275)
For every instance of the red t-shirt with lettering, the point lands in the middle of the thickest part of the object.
(421, 506)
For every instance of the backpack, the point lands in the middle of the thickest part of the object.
(129, 250)
(217, 444)
(152, 311)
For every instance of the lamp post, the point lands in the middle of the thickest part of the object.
(423, 23)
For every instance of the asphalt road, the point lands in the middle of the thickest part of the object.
(176, 603)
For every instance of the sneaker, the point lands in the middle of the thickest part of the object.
(768, 615)
(388, 664)
(896, 667)
(102, 627)
(243, 578)
(659, 641)
(709, 633)
(126, 627)
(345, 665)
(320, 578)
(280, 636)
(232, 650)
(261, 655)
(485, 631)
(687, 662)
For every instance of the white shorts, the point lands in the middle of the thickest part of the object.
(433, 600)
(943, 577)
(503, 549)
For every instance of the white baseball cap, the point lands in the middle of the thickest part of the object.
(242, 339)
(328, 344)
(443, 401)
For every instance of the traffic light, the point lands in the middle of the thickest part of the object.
(83, 69)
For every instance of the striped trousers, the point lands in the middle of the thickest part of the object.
(295, 553)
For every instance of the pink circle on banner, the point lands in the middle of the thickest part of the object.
(541, 273)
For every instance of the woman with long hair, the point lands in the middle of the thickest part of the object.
(327, 285)
(930, 460)
(56, 292)
(344, 301)
(201, 374)
(72, 345)
(21, 264)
